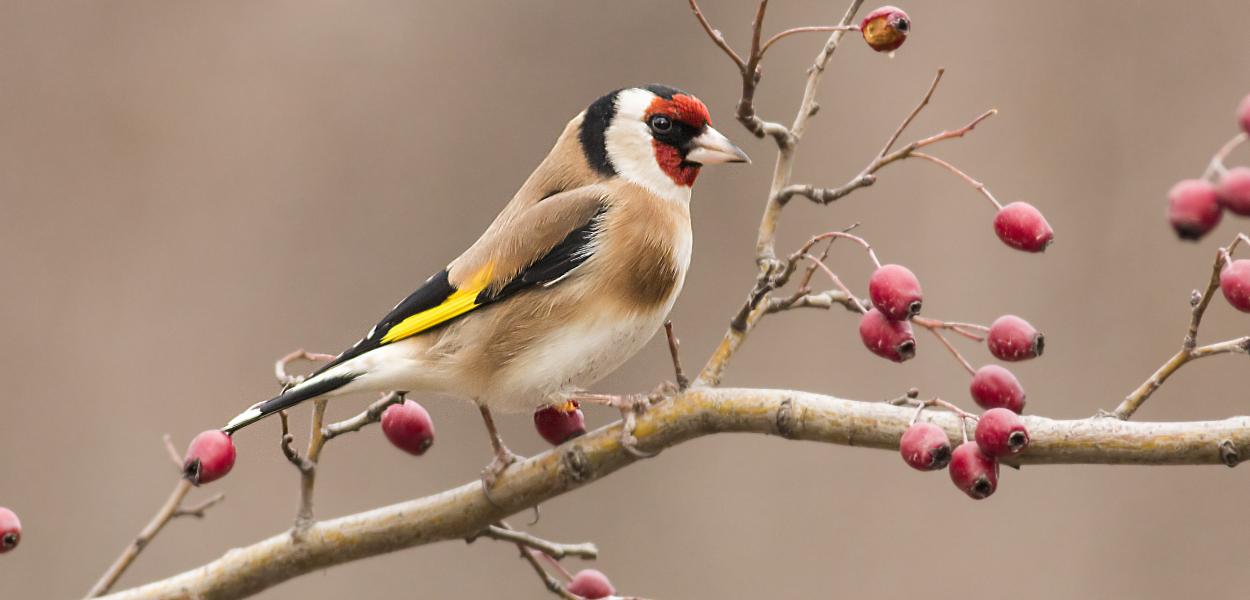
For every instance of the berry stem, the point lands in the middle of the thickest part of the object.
(836, 282)
(1216, 166)
(872, 254)
(811, 29)
(976, 185)
(952, 350)
(955, 326)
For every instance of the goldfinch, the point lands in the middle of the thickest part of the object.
(572, 278)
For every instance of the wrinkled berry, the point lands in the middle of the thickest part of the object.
(995, 387)
(1193, 208)
(1234, 190)
(591, 584)
(886, 28)
(1235, 283)
(560, 423)
(10, 530)
(1001, 432)
(209, 457)
(925, 447)
(885, 338)
(973, 471)
(408, 427)
(1023, 227)
(1014, 339)
(896, 292)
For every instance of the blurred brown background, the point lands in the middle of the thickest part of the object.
(190, 189)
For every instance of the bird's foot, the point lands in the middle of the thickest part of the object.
(630, 405)
(502, 460)
(664, 391)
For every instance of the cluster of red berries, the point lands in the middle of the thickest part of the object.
(896, 297)
(560, 423)
(10, 530)
(1195, 206)
(1000, 433)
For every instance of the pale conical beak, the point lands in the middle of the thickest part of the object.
(713, 148)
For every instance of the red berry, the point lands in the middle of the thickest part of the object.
(1243, 114)
(209, 457)
(1023, 227)
(1013, 339)
(1234, 190)
(10, 530)
(886, 338)
(973, 471)
(996, 387)
(895, 291)
(886, 28)
(1193, 208)
(591, 584)
(925, 447)
(1235, 283)
(560, 423)
(1001, 432)
(408, 427)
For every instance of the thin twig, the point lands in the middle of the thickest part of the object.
(954, 352)
(308, 476)
(555, 550)
(924, 101)
(811, 29)
(199, 510)
(1189, 346)
(553, 585)
(174, 455)
(280, 371)
(674, 350)
(716, 35)
(868, 176)
(145, 536)
(976, 185)
(171, 509)
(372, 414)
(1216, 166)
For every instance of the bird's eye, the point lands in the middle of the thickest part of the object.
(902, 25)
(661, 124)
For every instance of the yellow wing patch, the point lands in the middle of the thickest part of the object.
(459, 302)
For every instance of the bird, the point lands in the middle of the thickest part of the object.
(571, 279)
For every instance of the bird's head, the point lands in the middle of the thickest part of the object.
(655, 136)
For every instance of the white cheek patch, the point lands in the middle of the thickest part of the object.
(629, 144)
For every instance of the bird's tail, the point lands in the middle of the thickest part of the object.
(307, 390)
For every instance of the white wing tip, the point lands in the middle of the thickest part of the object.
(243, 418)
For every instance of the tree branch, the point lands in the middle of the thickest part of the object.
(462, 511)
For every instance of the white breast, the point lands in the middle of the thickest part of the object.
(578, 355)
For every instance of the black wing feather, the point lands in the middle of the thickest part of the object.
(569, 254)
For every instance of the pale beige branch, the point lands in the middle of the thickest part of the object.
(460, 512)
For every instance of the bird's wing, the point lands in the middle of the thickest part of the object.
(537, 246)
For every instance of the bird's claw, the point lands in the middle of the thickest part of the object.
(490, 475)
(631, 406)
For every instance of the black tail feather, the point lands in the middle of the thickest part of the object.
(287, 399)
